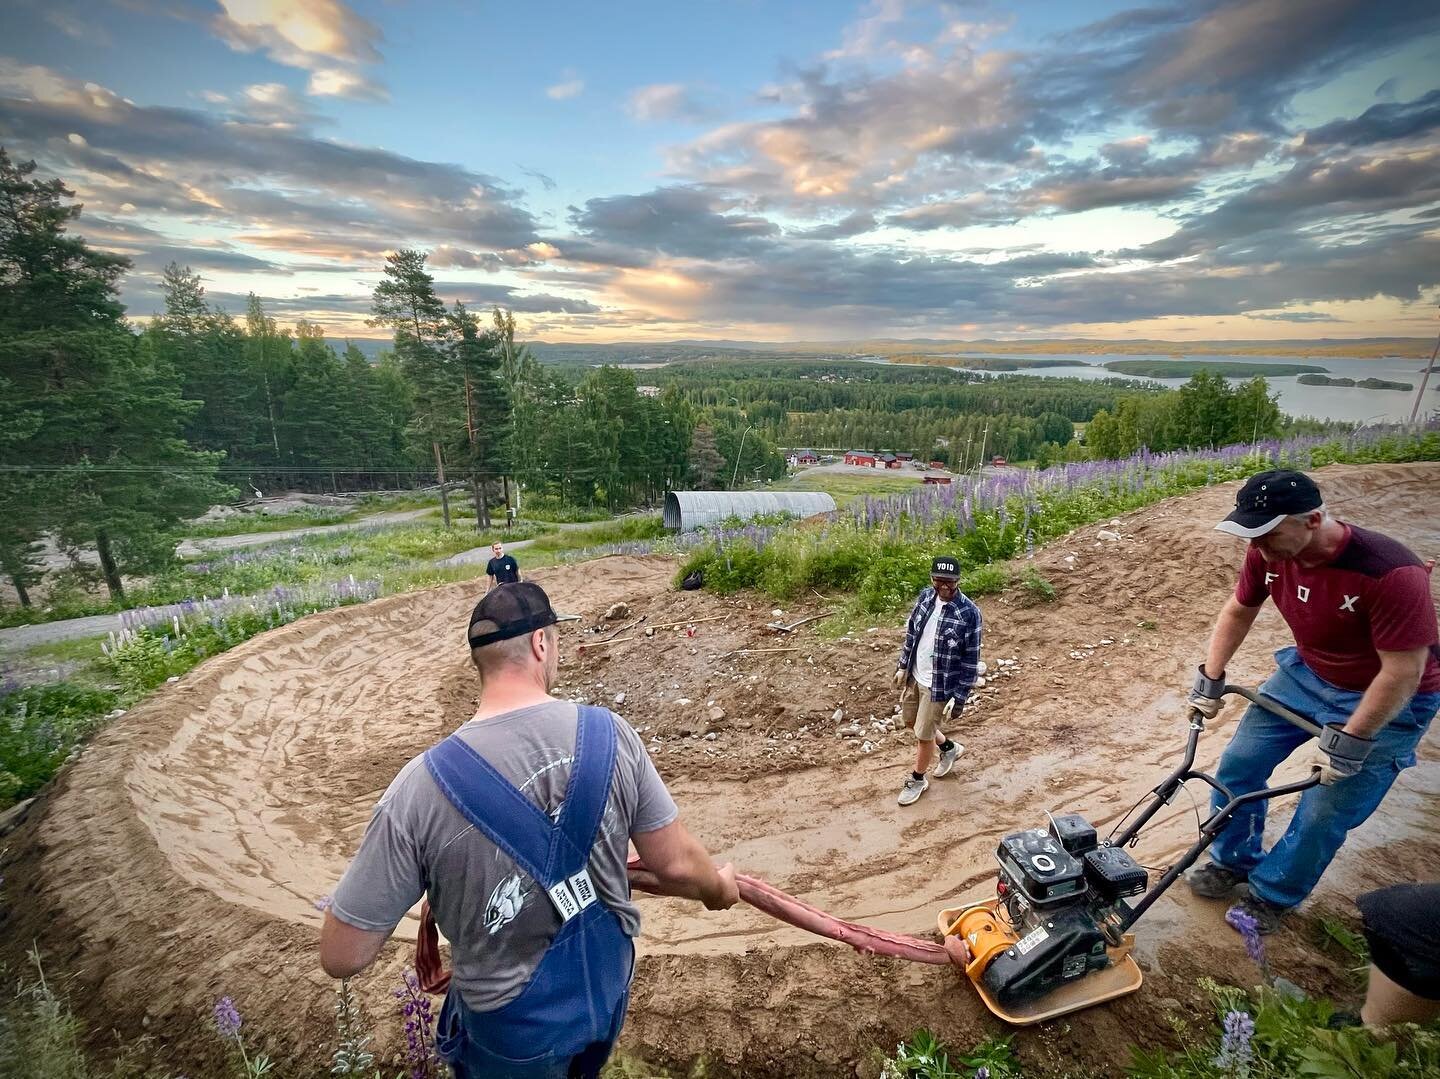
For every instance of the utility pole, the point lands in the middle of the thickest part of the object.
(1424, 378)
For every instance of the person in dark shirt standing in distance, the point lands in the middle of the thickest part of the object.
(502, 568)
(1365, 666)
(938, 666)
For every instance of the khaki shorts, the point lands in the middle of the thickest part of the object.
(919, 711)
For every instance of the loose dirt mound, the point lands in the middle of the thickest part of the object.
(179, 859)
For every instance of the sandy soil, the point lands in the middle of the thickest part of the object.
(179, 859)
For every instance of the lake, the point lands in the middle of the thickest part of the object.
(1350, 404)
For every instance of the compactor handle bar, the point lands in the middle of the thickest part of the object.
(1166, 791)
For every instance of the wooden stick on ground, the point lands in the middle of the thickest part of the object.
(780, 627)
(622, 629)
(688, 621)
(597, 644)
(756, 651)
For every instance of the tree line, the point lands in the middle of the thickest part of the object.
(115, 435)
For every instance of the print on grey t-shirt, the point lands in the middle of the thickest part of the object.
(498, 920)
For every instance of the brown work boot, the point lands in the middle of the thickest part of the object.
(1213, 881)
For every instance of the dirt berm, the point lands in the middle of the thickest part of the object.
(180, 858)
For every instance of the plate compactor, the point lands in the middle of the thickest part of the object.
(1056, 938)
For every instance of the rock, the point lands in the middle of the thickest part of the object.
(777, 613)
(717, 714)
(838, 716)
(982, 667)
(683, 701)
(617, 611)
(173, 678)
(1106, 534)
(15, 815)
(620, 697)
(851, 731)
(711, 736)
(866, 747)
(980, 683)
(744, 724)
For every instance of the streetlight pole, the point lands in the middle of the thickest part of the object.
(738, 455)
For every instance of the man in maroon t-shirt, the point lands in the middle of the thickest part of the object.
(1366, 666)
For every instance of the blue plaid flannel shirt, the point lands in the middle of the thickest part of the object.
(957, 644)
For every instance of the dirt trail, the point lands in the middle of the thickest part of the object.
(180, 857)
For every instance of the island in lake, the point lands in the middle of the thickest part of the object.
(1188, 368)
(1361, 383)
(1007, 363)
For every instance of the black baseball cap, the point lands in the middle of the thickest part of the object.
(509, 610)
(1267, 499)
(946, 568)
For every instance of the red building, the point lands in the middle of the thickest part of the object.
(934, 479)
(863, 458)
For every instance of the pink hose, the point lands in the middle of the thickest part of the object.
(434, 978)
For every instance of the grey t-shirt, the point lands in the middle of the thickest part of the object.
(498, 919)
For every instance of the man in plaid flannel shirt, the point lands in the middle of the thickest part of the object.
(938, 667)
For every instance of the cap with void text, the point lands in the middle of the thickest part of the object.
(1267, 499)
(509, 610)
(946, 568)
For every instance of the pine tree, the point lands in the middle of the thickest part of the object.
(705, 459)
(476, 357)
(406, 302)
(111, 414)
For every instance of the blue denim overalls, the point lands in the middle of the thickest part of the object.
(565, 1020)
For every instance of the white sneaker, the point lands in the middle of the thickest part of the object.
(947, 759)
(913, 789)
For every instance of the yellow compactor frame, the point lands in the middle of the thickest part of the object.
(986, 933)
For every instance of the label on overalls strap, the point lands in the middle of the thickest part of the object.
(1031, 939)
(564, 900)
(582, 888)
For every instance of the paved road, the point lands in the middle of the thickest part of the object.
(482, 554)
(191, 547)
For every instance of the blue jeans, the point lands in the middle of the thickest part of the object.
(1288, 872)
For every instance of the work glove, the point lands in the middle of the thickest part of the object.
(1340, 755)
(900, 674)
(1206, 695)
(951, 707)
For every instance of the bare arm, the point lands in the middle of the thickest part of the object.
(1399, 678)
(681, 866)
(344, 950)
(1230, 631)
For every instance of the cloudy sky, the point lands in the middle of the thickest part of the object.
(751, 170)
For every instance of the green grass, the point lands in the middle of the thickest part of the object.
(39, 726)
(623, 530)
(1035, 585)
(847, 486)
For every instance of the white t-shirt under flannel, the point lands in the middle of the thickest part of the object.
(925, 649)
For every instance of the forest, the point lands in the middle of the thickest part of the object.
(117, 433)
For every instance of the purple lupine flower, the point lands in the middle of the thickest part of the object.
(982, 1072)
(227, 1018)
(1245, 924)
(1236, 1051)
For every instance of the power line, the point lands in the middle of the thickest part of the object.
(459, 470)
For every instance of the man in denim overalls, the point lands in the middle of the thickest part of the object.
(517, 828)
(1365, 666)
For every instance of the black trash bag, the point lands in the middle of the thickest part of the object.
(693, 581)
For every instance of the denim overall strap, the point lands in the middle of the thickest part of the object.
(545, 851)
(576, 998)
